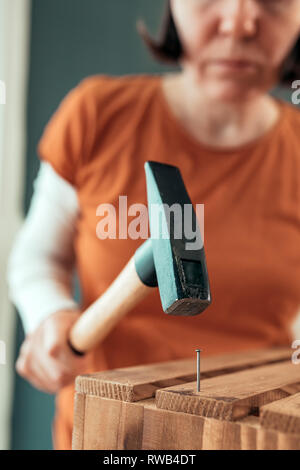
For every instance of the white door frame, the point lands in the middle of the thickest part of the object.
(15, 18)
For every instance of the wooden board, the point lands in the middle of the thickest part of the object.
(232, 396)
(282, 415)
(247, 401)
(136, 383)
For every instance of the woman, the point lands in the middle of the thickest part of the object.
(238, 151)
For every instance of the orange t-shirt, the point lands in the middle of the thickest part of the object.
(99, 139)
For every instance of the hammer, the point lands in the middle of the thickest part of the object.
(169, 261)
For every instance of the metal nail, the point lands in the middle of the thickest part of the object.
(198, 351)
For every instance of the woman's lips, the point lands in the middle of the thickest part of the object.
(232, 64)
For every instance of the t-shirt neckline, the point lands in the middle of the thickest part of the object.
(197, 145)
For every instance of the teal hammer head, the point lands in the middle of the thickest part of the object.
(176, 259)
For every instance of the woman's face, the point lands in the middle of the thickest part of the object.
(234, 48)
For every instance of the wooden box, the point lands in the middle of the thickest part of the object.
(247, 401)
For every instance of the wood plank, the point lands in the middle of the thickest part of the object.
(240, 360)
(113, 425)
(131, 384)
(282, 415)
(234, 395)
(168, 430)
(79, 419)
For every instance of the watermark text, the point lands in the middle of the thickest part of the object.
(2, 92)
(2, 353)
(178, 221)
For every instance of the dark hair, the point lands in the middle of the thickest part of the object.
(168, 48)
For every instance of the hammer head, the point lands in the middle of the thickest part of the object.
(180, 263)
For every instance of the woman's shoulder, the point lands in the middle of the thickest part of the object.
(103, 86)
(291, 111)
(290, 122)
(111, 99)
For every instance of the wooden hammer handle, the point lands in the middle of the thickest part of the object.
(101, 317)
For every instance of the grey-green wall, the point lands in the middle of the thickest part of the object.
(71, 39)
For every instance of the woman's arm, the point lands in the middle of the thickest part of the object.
(40, 284)
(40, 265)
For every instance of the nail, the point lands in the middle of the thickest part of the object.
(198, 351)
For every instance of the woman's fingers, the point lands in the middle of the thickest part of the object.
(47, 373)
(36, 378)
(45, 358)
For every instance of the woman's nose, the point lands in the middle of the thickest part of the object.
(239, 18)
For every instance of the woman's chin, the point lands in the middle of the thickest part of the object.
(231, 92)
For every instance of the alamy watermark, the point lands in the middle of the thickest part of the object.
(164, 220)
(296, 93)
(2, 353)
(2, 92)
(296, 354)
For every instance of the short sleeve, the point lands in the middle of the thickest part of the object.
(67, 138)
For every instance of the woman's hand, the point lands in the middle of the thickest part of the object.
(46, 359)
